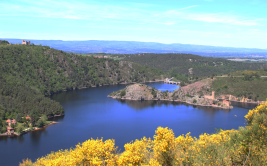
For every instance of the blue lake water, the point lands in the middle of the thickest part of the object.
(89, 113)
(164, 87)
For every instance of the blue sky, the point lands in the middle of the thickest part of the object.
(231, 23)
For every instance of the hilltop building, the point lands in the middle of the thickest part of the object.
(26, 42)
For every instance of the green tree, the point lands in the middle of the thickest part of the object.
(18, 117)
(182, 83)
(44, 119)
(4, 129)
(123, 93)
(34, 116)
(39, 123)
(19, 128)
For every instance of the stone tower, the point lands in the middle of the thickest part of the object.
(26, 42)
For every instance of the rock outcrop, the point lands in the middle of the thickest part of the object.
(140, 92)
(144, 92)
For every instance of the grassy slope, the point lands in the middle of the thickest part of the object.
(251, 87)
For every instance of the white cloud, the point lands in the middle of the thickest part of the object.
(189, 7)
(221, 19)
(224, 18)
(71, 10)
(100, 11)
(170, 23)
(72, 17)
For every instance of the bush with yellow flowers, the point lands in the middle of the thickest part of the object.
(246, 146)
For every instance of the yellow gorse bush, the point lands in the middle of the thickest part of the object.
(135, 153)
(91, 152)
(246, 146)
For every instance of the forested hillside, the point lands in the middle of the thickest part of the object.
(181, 63)
(3, 42)
(29, 72)
(48, 70)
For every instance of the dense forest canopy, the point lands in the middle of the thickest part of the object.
(29, 72)
(202, 66)
(48, 70)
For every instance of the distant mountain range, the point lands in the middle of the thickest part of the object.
(132, 47)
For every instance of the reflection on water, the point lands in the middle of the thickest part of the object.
(89, 113)
(57, 118)
(244, 105)
(163, 87)
(142, 105)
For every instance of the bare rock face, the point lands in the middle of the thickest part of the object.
(138, 92)
(144, 92)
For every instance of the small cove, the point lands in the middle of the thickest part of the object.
(89, 113)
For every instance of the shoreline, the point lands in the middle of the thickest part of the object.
(256, 103)
(247, 102)
(26, 132)
(94, 86)
(36, 129)
(215, 106)
(202, 105)
(55, 116)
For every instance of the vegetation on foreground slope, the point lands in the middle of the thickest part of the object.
(29, 72)
(246, 146)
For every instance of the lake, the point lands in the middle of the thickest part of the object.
(89, 113)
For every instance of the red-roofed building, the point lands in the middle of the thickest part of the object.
(10, 130)
(28, 118)
(9, 121)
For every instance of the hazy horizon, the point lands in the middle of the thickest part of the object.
(126, 41)
(134, 47)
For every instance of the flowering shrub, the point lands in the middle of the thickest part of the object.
(135, 153)
(246, 146)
